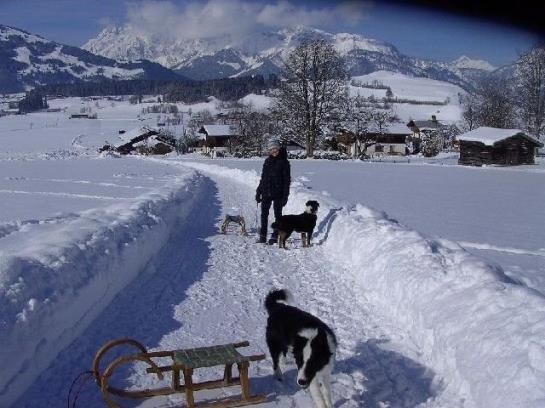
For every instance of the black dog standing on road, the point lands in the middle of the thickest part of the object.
(303, 223)
(311, 341)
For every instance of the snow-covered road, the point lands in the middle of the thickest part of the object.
(206, 288)
(420, 322)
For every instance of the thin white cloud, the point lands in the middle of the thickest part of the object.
(234, 18)
(285, 14)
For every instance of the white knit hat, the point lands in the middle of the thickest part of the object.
(273, 144)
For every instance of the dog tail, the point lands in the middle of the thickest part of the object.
(275, 297)
(274, 225)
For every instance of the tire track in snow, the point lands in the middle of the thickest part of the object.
(71, 195)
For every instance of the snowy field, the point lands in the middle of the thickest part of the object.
(416, 89)
(431, 274)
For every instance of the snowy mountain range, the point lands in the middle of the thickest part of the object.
(264, 53)
(27, 60)
(120, 53)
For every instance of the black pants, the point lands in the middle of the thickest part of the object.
(265, 207)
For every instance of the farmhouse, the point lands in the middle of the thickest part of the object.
(391, 142)
(216, 139)
(418, 127)
(486, 145)
(425, 128)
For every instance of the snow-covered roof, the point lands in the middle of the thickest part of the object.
(489, 135)
(398, 129)
(217, 130)
(131, 134)
(426, 124)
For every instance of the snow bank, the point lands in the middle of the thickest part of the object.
(477, 329)
(473, 326)
(58, 276)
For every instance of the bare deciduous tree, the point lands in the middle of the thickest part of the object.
(313, 91)
(252, 128)
(530, 76)
(492, 103)
(365, 120)
(496, 107)
(470, 105)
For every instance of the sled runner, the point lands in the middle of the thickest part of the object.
(182, 363)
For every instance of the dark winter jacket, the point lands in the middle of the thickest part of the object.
(275, 179)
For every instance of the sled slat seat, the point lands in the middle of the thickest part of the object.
(209, 356)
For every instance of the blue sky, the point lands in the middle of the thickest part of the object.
(414, 31)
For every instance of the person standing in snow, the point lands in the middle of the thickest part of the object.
(274, 187)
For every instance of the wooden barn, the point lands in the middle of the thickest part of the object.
(216, 139)
(486, 145)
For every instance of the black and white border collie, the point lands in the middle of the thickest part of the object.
(311, 341)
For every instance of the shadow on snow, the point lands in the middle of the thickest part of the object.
(143, 310)
(389, 379)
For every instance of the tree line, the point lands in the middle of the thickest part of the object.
(187, 91)
(511, 99)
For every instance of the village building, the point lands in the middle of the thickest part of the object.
(215, 140)
(142, 140)
(393, 141)
(486, 145)
(293, 147)
(420, 127)
(425, 128)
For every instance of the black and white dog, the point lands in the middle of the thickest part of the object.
(303, 223)
(311, 341)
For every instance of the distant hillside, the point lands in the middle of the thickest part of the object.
(28, 60)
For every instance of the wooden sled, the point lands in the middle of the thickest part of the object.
(183, 362)
(237, 219)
